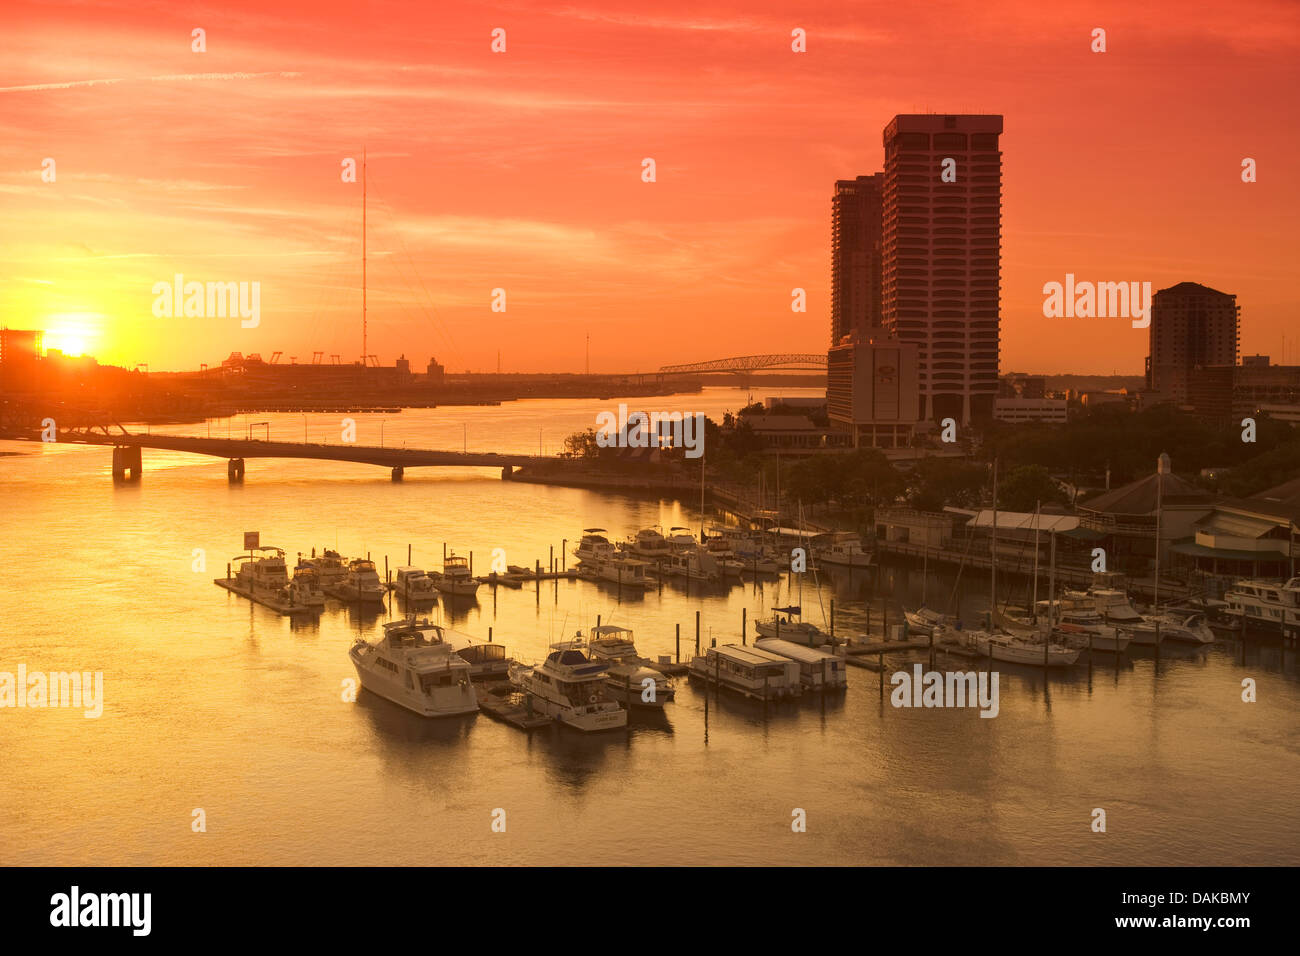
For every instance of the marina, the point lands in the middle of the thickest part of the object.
(862, 607)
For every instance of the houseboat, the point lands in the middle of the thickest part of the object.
(751, 671)
(818, 669)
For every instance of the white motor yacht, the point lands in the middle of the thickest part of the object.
(262, 570)
(570, 687)
(304, 589)
(412, 584)
(649, 543)
(414, 667)
(1264, 605)
(695, 563)
(621, 570)
(455, 578)
(594, 545)
(1181, 627)
(361, 584)
(330, 565)
(844, 549)
(628, 671)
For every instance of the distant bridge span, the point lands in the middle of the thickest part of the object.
(126, 453)
(750, 363)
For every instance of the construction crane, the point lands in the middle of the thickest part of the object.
(316, 357)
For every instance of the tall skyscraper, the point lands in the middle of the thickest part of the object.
(855, 257)
(1191, 325)
(941, 256)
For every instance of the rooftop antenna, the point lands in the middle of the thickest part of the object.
(363, 256)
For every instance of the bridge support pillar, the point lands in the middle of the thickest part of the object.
(126, 458)
(398, 471)
(506, 472)
(235, 470)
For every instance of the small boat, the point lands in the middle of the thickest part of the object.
(1076, 624)
(570, 687)
(681, 539)
(304, 588)
(331, 566)
(455, 578)
(649, 543)
(413, 585)
(785, 625)
(844, 549)
(628, 672)
(696, 564)
(361, 584)
(621, 570)
(1011, 649)
(924, 621)
(487, 660)
(594, 545)
(751, 671)
(414, 667)
(818, 669)
(1174, 625)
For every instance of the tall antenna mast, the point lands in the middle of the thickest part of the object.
(363, 257)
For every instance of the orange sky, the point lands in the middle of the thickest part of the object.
(522, 170)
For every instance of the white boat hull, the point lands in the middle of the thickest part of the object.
(452, 701)
(1012, 651)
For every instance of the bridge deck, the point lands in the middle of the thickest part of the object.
(362, 454)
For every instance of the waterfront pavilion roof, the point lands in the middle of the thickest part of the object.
(1140, 497)
(1282, 500)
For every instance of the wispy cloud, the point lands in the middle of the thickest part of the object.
(168, 78)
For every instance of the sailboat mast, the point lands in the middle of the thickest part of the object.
(993, 550)
(1033, 611)
(363, 258)
(1160, 486)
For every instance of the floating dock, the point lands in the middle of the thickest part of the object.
(510, 706)
(282, 607)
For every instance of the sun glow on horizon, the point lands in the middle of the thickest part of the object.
(73, 333)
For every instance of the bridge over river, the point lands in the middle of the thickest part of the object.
(127, 447)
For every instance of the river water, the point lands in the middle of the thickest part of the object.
(214, 704)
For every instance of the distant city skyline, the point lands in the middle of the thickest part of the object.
(522, 171)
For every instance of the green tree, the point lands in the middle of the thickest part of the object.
(1027, 485)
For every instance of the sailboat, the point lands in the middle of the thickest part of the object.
(1035, 649)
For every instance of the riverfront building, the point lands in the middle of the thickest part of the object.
(1191, 325)
(941, 256)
